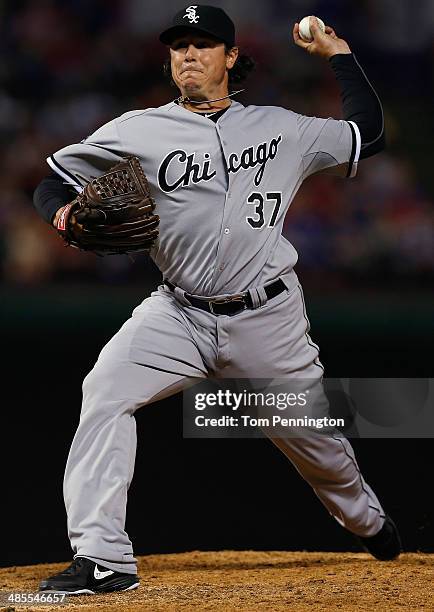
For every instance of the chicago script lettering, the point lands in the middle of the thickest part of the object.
(192, 171)
(187, 170)
(250, 158)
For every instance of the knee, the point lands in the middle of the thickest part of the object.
(117, 387)
(102, 387)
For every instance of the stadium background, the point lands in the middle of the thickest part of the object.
(366, 251)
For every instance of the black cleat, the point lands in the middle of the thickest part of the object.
(85, 577)
(384, 545)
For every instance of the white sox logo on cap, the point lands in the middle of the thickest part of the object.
(204, 19)
(190, 14)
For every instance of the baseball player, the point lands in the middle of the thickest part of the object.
(222, 176)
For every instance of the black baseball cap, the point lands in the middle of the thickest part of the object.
(201, 18)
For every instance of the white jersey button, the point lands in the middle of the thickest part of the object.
(227, 230)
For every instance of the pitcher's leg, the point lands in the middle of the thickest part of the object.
(139, 365)
(328, 464)
(100, 465)
(281, 348)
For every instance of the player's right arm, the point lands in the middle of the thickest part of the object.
(325, 143)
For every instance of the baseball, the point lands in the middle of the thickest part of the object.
(304, 28)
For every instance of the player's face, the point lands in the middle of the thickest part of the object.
(200, 64)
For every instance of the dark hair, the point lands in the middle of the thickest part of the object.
(240, 71)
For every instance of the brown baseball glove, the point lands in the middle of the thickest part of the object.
(113, 214)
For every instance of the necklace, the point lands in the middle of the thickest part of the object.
(187, 100)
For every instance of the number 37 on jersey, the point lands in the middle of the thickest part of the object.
(265, 208)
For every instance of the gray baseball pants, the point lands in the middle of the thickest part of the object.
(165, 345)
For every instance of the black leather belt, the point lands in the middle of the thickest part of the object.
(233, 304)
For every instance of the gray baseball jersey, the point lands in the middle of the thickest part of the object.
(221, 189)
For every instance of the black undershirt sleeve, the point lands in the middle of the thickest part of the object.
(360, 103)
(51, 194)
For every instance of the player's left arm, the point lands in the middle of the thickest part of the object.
(361, 105)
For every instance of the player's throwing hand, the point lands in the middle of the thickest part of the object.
(325, 44)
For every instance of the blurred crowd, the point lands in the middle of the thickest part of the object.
(70, 65)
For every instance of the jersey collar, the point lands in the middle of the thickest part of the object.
(172, 106)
